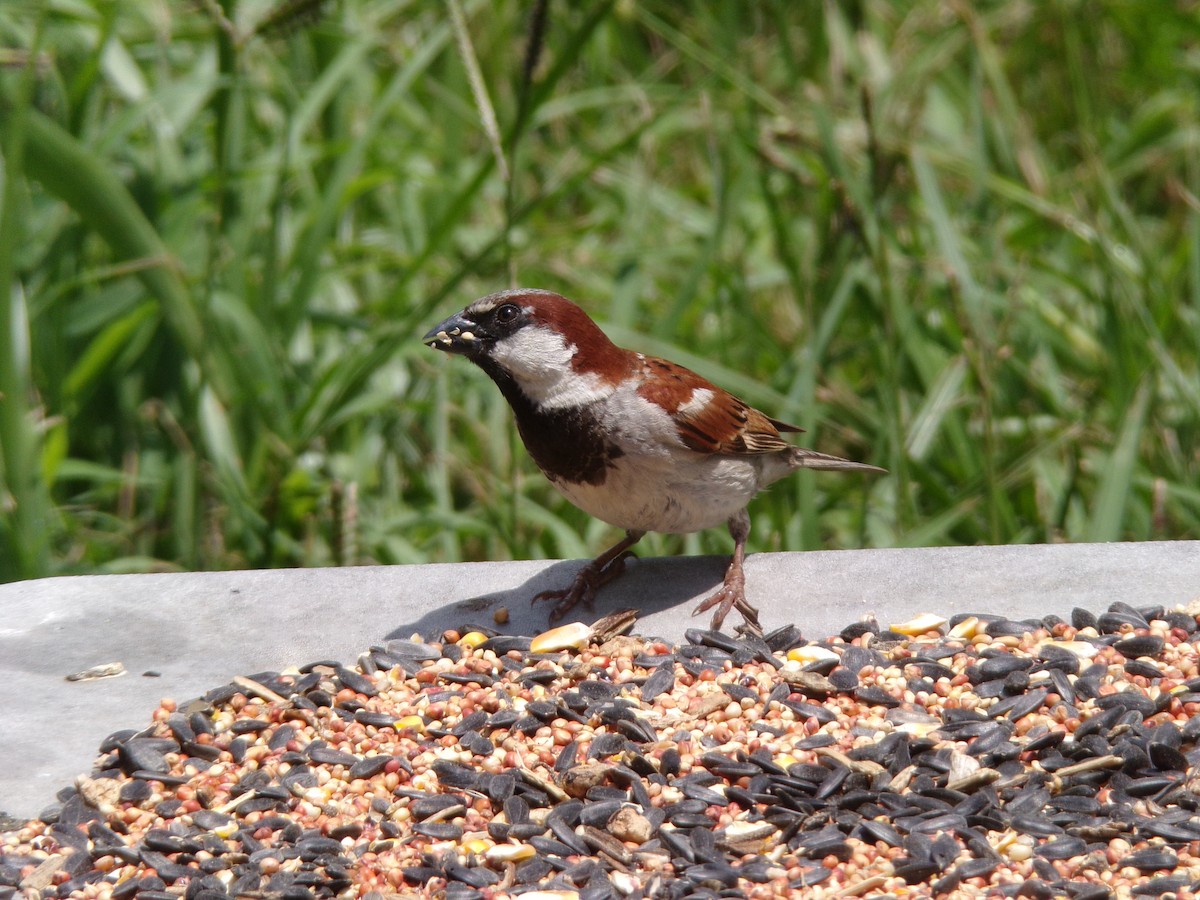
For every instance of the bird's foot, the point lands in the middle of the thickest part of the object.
(732, 595)
(583, 589)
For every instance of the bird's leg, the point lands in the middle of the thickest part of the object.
(732, 594)
(599, 572)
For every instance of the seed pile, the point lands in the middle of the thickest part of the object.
(970, 758)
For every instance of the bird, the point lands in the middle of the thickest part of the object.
(639, 442)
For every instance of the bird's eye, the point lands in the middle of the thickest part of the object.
(507, 314)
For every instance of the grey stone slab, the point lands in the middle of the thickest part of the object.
(196, 631)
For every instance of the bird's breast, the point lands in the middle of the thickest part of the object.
(621, 460)
(676, 496)
(568, 443)
(568, 446)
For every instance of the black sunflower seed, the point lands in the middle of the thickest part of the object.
(1159, 887)
(914, 871)
(1036, 826)
(783, 638)
(434, 804)
(714, 875)
(1021, 705)
(1143, 667)
(1176, 833)
(476, 743)
(1065, 847)
(1181, 620)
(876, 696)
(874, 830)
(472, 876)
(1131, 700)
(1139, 645)
(998, 666)
(1149, 785)
(442, 831)
(356, 681)
(501, 644)
(716, 639)
(607, 744)
(661, 681)
(1166, 758)
(1151, 859)
(1117, 618)
(328, 756)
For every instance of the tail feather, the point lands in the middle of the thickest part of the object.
(802, 458)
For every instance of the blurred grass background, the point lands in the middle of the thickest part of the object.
(959, 240)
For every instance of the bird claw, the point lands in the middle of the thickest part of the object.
(615, 567)
(750, 624)
(732, 595)
(567, 599)
(584, 588)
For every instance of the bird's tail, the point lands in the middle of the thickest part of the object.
(811, 459)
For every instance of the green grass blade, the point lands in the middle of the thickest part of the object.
(1117, 475)
(94, 364)
(66, 168)
(24, 507)
(945, 394)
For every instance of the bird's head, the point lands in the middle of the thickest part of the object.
(543, 342)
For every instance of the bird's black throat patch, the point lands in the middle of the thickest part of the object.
(567, 444)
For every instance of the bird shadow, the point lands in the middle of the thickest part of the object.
(649, 586)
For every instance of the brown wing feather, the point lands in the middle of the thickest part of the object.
(784, 426)
(724, 425)
(727, 425)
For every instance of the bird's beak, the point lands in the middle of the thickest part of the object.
(456, 335)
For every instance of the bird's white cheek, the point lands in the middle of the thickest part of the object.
(572, 390)
(532, 352)
(539, 359)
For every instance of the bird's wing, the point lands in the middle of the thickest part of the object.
(709, 419)
(727, 425)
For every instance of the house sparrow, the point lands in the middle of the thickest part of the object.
(639, 442)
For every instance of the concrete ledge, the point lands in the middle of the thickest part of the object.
(199, 630)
